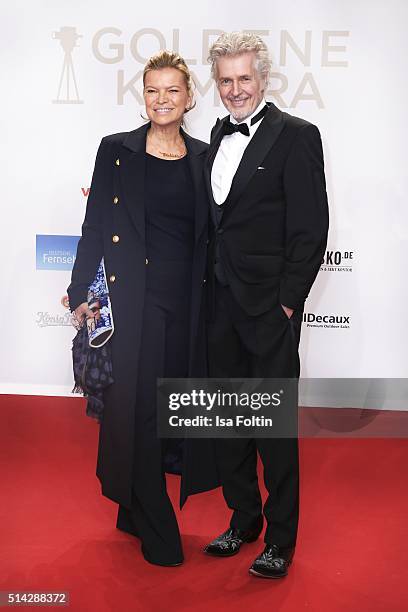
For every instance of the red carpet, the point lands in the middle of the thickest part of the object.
(58, 533)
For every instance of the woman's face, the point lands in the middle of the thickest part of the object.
(166, 97)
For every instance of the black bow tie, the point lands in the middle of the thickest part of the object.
(231, 128)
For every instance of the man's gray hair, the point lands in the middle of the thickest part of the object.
(235, 43)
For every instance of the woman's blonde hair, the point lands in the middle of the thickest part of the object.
(169, 59)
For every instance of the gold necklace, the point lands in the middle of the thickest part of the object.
(173, 155)
(164, 154)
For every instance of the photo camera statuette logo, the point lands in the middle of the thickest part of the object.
(68, 37)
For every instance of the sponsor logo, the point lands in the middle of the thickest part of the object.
(338, 261)
(333, 321)
(85, 191)
(67, 88)
(47, 319)
(307, 52)
(55, 252)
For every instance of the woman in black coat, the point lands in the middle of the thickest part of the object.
(147, 216)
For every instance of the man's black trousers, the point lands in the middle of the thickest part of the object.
(265, 346)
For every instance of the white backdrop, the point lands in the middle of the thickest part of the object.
(339, 64)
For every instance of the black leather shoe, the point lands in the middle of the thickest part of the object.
(230, 542)
(273, 562)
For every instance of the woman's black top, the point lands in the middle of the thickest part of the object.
(170, 205)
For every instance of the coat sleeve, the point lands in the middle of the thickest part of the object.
(307, 216)
(90, 246)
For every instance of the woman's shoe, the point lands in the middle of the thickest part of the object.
(164, 564)
(174, 563)
(125, 521)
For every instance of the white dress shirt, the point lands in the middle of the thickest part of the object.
(229, 155)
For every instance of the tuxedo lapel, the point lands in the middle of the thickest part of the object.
(132, 175)
(261, 143)
(216, 138)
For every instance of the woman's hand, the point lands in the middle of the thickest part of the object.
(80, 314)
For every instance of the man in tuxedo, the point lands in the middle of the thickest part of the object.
(265, 177)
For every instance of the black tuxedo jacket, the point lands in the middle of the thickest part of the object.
(273, 232)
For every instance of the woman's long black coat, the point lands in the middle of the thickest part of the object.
(116, 207)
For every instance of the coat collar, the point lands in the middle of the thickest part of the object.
(133, 169)
(136, 141)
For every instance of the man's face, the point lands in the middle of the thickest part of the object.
(240, 85)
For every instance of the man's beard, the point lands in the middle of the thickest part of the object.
(240, 114)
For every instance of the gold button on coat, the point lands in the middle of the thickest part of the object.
(115, 238)
(117, 162)
(146, 261)
(116, 200)
(112, 278)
